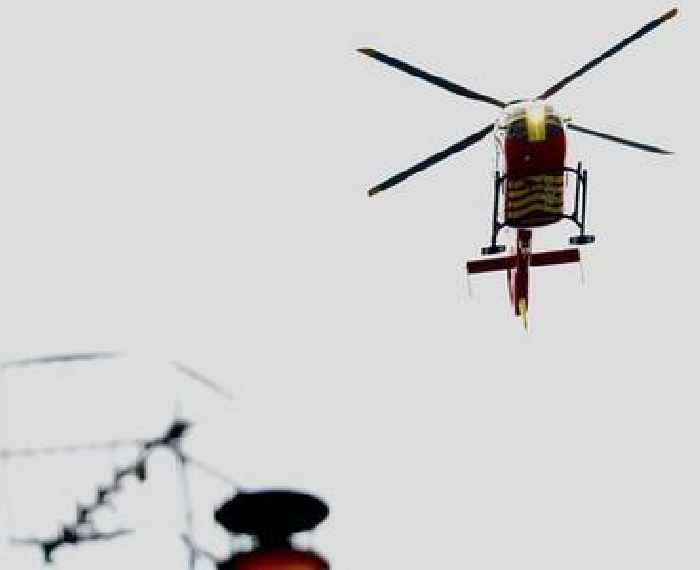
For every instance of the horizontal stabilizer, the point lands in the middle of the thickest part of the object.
(539, 259)
(494, 264)
(555, 257)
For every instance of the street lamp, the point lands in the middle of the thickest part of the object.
(271, 518)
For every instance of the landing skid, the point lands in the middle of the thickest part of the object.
(493, 249)
(578, 216)
(582, 239)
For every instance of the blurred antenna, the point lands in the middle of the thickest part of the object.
(59, 358)
(197, 377)
(68, 535)
(211, 471)
(92, 446)
(197, 551)
(170, 439)
(105, 355)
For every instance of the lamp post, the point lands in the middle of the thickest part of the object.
(271, 517)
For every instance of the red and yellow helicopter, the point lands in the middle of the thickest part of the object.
(530, 140)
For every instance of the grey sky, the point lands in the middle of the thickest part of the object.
(188, 180)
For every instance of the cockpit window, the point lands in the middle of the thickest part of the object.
(514, 121)
(517, 127)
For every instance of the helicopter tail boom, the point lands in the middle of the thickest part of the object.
(517, 267)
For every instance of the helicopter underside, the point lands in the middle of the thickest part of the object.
(538, 222)
(534, 201)
(534, 184)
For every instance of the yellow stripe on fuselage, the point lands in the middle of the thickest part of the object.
(521, 184)
(536, 193)
(512, 215)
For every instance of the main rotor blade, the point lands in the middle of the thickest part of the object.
(613, 138)
(434, 159)
(434, 79)
(612, 51)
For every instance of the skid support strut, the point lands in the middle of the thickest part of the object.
(495, 248)
(581, 198)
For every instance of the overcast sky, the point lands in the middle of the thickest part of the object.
(187, 180)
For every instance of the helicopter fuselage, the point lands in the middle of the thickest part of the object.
(531, 148)
(530, 172)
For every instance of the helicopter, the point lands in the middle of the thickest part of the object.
(530, 139)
